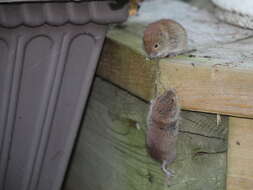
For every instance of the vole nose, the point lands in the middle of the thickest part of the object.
(152, 55)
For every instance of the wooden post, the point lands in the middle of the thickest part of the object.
(240, 154)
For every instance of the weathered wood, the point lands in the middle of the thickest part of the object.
(111, 152)
(128, 69)
(209, 89)
(203, 28)
(235, 12)
(217, 78)
(204, 85)
(240, 154)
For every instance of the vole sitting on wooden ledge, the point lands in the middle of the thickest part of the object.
(165, 38)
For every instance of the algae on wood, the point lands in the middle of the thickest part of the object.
(111, 152)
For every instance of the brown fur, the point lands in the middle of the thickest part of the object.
(163, 127)
(163, 38)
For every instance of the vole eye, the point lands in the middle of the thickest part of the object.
(156, 45)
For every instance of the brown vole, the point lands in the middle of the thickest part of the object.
(164, 38)
(163, 129)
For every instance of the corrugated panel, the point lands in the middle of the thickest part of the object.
(45, 75)
(37, 14)
(48, 56)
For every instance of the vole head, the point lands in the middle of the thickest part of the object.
(154, 41)
(165, 108)
(164, 37)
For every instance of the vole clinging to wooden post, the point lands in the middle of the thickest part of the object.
(163, 129)
(164, 38)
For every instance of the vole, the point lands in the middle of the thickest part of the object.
(163, 120)
(165, 38)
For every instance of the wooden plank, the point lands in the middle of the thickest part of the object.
(240, 154)
(127, 69)
(215, 89)
(217, 78)
(111, 152)
(235, 56)
(203, 28)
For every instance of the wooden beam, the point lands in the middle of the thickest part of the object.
(128, 69)
(240, 154)
(212, 89)
(111, 152)
(217, 78)
(202, 84)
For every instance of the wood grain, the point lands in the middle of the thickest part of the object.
(217, 78)
(240, 154)
(127, 69)
(111, 152)
(203, 84)
(211, 89)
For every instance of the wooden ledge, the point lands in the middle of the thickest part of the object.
(217, 78)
